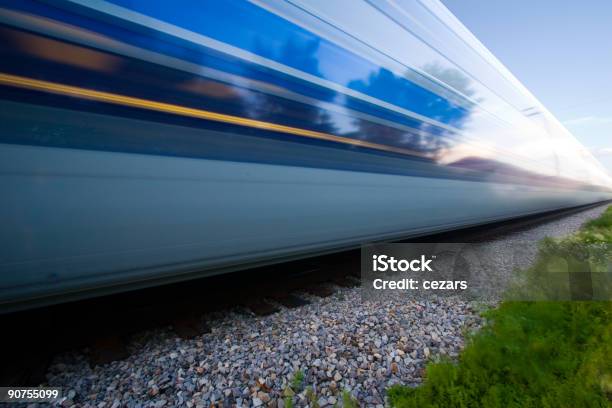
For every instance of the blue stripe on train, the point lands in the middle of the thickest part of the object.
(251, 28)
(144, 80)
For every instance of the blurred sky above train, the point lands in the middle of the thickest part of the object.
(561, 51)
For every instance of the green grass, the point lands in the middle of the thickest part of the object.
(297, 382)
(535, 353)
(348, 401)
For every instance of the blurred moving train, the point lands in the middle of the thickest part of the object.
(145, 142)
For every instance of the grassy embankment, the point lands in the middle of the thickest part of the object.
(536, 353)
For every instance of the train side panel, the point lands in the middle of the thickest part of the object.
(144, 144)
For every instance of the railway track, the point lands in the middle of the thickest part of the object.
(104, 326)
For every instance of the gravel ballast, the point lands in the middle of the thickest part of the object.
(340, 344)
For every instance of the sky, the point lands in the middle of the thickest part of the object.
(561, 50)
